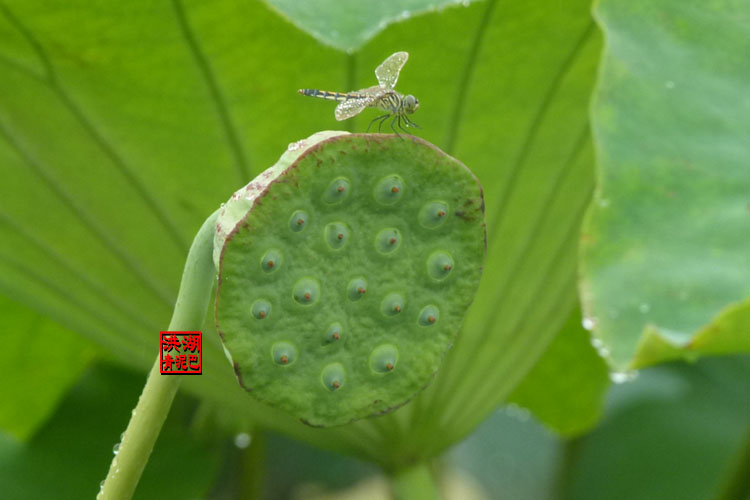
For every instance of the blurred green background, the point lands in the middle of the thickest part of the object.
(613, 154)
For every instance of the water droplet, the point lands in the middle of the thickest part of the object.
(389, 190)
(132, 412)
(392, 304)
(644, 308)
(622, 377)
(298, 221)
(242, 440)
(405, 14)
(603, 202)
(116, 448)
(337, 235)
(440, 265)
(261, 309)
(388, 240)
(383, 359)
(429, 315)
(333, 376)
(433, 214)
(122, 436)
(271, 260)
(599, 346)
(588, 323)
(669, 84)
(338, 190)
(357, 288)
(306, 291)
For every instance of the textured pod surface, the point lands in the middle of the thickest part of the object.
(343, 287)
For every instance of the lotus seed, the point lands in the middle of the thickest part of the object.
(271, 260)
(392, 304)
(429, 315)
(432, 215)
(306, 291)
(383, 359)
(261, 309)
(337, 234)
(388, 240)
(439, 265)
(283, 353)
(357, 288)
(389, 190)
(298, 221)
(333, 376)
(338, 190)
(333, 333)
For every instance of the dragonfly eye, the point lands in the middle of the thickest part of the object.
(411, 104)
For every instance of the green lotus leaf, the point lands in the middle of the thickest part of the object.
(664, 248)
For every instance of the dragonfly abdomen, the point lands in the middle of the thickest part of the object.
(324, 94)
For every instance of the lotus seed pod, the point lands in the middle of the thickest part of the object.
(346, 278)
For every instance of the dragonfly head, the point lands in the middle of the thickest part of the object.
(411, 104)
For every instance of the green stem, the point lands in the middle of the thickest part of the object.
(252, 467)
(737, 487)
(158, 393)
(414, 483)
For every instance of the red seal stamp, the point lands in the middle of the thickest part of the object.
(180, 353)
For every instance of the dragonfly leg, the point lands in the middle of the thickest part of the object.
(401, 126)
(376, 119)
(393, 123)
(380, 125)
(410, 123)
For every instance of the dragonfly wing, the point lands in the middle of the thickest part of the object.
(351, 107)
(388, 71)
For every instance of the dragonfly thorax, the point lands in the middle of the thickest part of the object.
(411, 104)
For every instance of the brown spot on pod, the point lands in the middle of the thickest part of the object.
(337, 191)
(306, 291)
(284, 353)
(261, 309)
(433, 214)
(383, 358)
(356, 288)
(388, 240)
(439, 265)
(429, 315)
(389, 189)
(337, 235)
(271, 260)
(333, 376)
(298, 221)
(333, 334)
(392, 304)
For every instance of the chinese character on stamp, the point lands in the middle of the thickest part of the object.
(180, 353)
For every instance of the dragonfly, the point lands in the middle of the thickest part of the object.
(382, 96)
